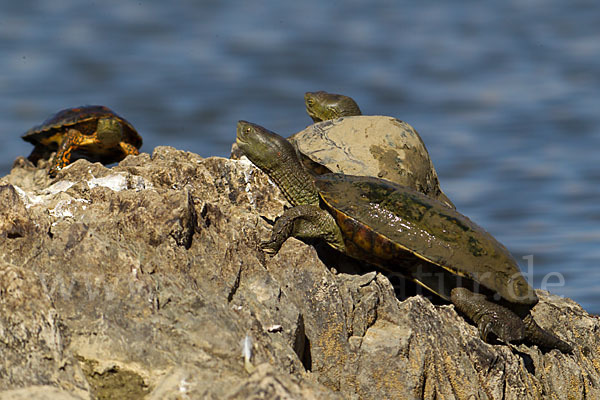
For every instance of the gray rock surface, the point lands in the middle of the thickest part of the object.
(145, 281)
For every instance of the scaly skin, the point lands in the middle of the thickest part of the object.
(270, 151)
(277, 157)
(306, 219)
(502, 322)
(322, 106)
(489, 317)
(72, 140)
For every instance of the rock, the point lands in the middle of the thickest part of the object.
(32, 335)
(38, 393)
(145, 281)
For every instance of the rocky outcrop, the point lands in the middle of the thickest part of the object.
(145, 281)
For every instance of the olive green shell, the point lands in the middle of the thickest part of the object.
(392, 222)
(84, 119)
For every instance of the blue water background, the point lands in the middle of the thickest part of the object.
(506, 95)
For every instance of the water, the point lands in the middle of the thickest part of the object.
(505, 95)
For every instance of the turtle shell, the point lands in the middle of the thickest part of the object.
(377, 146)
(391, 223)
(84, 119)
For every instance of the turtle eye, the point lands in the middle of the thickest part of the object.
(310, 102)
(247, 130)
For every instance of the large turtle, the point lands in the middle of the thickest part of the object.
(322, 106)
(403, 231)
(94, 132)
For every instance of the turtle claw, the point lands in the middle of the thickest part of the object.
(484, 331)
(270, 246)
(507, 330)
(53, 171)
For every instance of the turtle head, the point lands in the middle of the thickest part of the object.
(267, 150)
(322, 106)
(109, 131)
(277, 158)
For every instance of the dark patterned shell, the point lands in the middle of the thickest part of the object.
(392, 222)
(83, 119)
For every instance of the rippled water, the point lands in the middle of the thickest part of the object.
(505, 95)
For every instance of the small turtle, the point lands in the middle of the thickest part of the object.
(94, 132)
(322, 106)
(402, 231)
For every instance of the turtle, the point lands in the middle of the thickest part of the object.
(322, 106)
(402, 231)
(371, 145)
(343, 140)
(357, 144)
(93, 131)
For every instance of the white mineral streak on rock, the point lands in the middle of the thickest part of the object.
(184, 386)
(248, 171)
(247, 348)
(60, 186)
(61, 210)
(115, 182)
(247, 354)
(28, 199)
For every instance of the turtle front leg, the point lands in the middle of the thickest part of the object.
(72, 140)
(489, 317)
(128, 149)
(304, 222)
